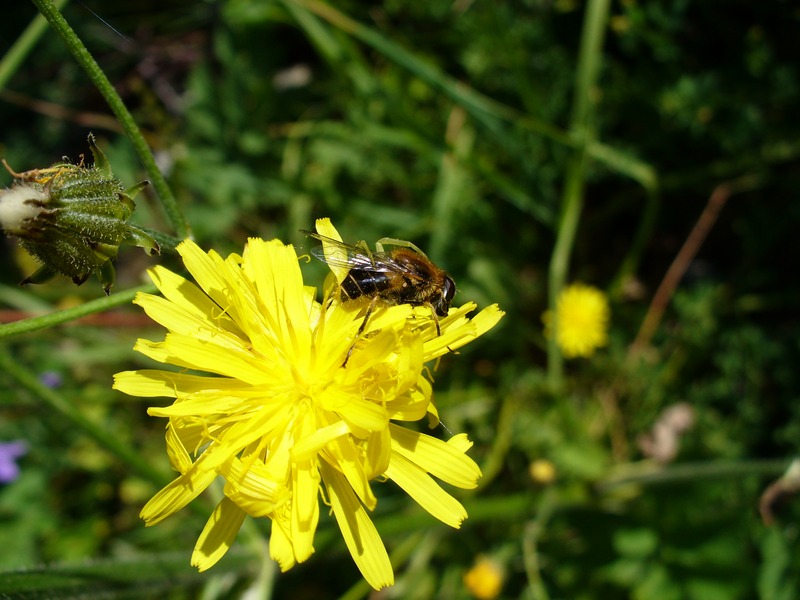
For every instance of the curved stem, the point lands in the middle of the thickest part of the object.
(50, 12)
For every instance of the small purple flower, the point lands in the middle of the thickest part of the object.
(9, 452)
(51, 379)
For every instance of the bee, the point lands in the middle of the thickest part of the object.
(403, 275)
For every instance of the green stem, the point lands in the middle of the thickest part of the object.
(572, 205)
(533, 532)
(70, 314)
(63, 406)
(15, 55)
(589, 57)
(594, 27)
(50, 12)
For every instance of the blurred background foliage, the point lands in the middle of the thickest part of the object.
(446, 123)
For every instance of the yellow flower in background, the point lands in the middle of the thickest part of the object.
(583, 315)
(542, 471)
(280, 418)
(485, 579)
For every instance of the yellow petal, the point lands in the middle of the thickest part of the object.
(185, 351)
(326, 228)
(218, 535)
(189, 297)
(151, 383)
(253, 487)
(280, 546)
(182, 292)
(379, 451)
(176, 495)
(436, 457)
(389, 317)
(359, 533)
(457, 330)
(305, 513)
(361, 414)
(209, 271)
(343, 453)
(487, 319)
(461, 442)
(308, 446)
(275, 270)
(305, 508)
(179, 458)
(192, 434)
(179, 320)
(420, 486)
(201, 404)
(414, 404)
(261, 423)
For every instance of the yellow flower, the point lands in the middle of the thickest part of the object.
(485, 579)
(582, 320)
(280, 418)
(542, 471)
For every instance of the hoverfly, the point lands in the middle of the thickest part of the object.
(403, 275)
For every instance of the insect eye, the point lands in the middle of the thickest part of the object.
(449, 289)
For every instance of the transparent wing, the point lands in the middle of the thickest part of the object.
(353, 257)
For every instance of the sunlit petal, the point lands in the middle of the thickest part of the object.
(427, 493)
(218, 534)
(359, 533)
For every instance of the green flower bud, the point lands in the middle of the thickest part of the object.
(73, 219)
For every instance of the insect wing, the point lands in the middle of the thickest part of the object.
(348, 256)
(339, 254)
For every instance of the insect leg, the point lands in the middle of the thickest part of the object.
(435, 318)
(363, 326)
(396, 242)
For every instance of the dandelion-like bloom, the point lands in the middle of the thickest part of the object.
(583, 316)
(280, 418)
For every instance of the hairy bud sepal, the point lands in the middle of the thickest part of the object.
(73, 219)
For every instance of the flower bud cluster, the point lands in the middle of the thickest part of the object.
(73, 219)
